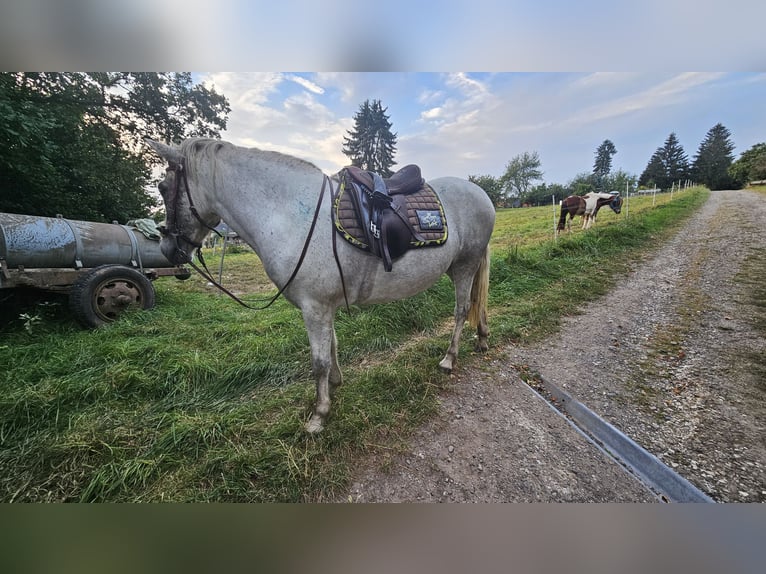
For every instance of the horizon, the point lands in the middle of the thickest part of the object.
(474, 123)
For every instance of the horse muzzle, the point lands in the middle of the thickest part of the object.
(172, 246)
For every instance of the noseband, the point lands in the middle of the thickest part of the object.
(172, 230)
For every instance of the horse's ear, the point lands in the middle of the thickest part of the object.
(172, 155)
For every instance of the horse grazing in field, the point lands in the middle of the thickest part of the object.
(275, 201)
(587, 206)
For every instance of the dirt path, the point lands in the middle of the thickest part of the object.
(671, 357)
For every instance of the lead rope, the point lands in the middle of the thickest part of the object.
(207, 275)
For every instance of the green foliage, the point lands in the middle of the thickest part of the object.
(620, 181)
(520, 173)
(491, 185)
(70, 143)
(751, 165)
(667, 165)
(543, 194)
(371, 145)
(603, 162)
(714, 156)
(582, 183)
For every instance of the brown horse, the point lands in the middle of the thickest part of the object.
(587, 206)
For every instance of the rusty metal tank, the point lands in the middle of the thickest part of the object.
(54, 242)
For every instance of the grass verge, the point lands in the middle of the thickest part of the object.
(200, 400)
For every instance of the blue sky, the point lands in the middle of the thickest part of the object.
(474, 123)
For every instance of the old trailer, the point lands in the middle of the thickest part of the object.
(105, 268)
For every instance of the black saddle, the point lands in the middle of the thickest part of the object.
(406, 180)
(383, 217)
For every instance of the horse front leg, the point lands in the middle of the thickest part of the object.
(462, 282)
(324, 363)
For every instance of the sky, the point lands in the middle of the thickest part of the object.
(557, 77)
(463, 123)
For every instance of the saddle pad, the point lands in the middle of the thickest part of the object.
(424, 211)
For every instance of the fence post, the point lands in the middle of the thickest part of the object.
(553, 202)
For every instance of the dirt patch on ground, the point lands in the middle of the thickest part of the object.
(673, 357)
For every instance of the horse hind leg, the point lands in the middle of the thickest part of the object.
(471, 286)
(462, 303)
(477, 313)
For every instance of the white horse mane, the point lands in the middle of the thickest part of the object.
(196, 149)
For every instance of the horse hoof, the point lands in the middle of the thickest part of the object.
(314, 425)
(481, 347)
(445, 365)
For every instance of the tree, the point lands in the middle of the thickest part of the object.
(71, 143)
(603, 164)
(519, 174)
(620, 181)
(371, 145)
(544, 194)
(668, 164)
(714, 156)
(491, 185)
(654, 172)
(751, 165)
(582, 183)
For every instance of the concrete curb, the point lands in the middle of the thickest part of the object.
(661, 479)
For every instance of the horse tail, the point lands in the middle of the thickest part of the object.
(563, 216)
(480, 292)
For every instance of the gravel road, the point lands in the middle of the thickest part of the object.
(672, 357)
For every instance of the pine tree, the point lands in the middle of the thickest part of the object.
(603, 164)
(654, 173)
(668, 164)
(675, 159)
(714, 156)
(371, 145)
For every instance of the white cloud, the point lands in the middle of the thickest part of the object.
(431, 114)
(668, 92)
(430, 96)
(308, 84)
(460, 124)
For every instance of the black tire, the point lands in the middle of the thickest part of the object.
(106, 292)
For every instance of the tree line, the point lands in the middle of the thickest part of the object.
(71, 143)
(713, 166)
(372, 146)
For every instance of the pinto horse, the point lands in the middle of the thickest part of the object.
(275, 201)
(587, 206)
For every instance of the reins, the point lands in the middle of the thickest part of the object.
(205, 272)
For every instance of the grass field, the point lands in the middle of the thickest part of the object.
(202, 400)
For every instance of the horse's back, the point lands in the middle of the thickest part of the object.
(468, 209)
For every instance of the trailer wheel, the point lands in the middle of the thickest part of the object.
(103, 294)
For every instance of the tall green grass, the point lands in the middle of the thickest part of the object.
(202, 400)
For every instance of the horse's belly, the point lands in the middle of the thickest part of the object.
(412, 274)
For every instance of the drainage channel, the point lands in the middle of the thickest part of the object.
(665, 483)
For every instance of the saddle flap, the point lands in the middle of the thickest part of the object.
(360, 176)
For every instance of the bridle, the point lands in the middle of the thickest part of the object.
(171, 202)
(173, 232)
